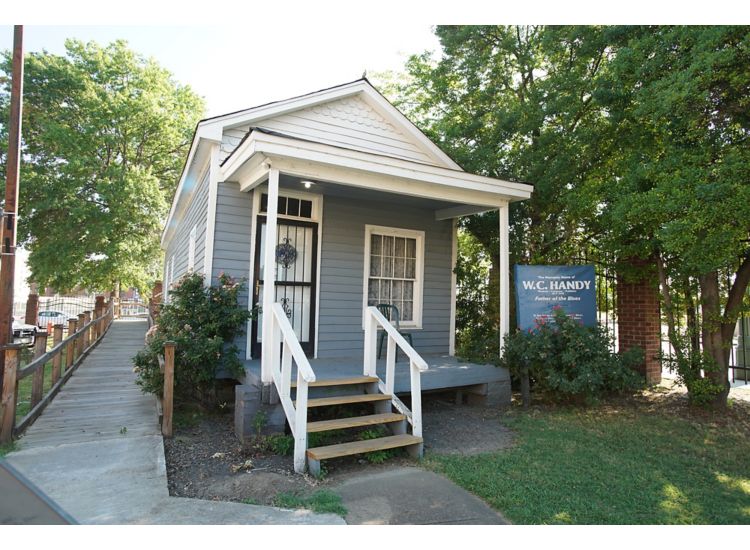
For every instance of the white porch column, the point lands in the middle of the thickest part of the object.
(454, 282)
(269, 275)
(504, 273)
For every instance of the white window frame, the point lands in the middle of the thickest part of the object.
(191, 249)
(416, 323)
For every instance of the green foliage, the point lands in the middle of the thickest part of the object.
(569, 360)
(105, 134)
(474, 335)
(280, 444)
(376, 457)
(202, 321)
(259, 422)
(6, 448)
(321, 502)
(690, 368)
(615, 464)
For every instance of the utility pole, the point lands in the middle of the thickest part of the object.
(10, 209)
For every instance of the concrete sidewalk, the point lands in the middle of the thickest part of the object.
(98, 452)
(411, 496)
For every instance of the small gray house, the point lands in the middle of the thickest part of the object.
(350, 211)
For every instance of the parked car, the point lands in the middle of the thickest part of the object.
(53, 317)
(23, 333)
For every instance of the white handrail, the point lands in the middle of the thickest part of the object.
(281, 373)
(417, 365)
(401, 342)
(303, 365)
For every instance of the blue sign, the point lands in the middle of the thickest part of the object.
(542, 288)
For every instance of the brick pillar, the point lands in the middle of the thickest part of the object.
(32, 309)
(639, 317)
(155, 301)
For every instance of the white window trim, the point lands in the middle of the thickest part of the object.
(191, 249)
(416, 323)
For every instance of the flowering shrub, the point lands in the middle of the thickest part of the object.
(202, 321)
(570, 360)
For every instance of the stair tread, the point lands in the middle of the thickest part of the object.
(347, 399)
(357, 447)
(348, 381)
(353, 422)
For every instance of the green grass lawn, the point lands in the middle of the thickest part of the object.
(616, 464)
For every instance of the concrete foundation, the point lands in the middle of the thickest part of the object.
(250, 413)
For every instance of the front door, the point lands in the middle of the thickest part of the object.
(296, 267)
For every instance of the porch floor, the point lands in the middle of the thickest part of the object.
(444, 372)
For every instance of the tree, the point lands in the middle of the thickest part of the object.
(105, 132)
(678, 104)
(515, 103)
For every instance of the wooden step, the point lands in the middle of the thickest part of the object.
(347, 400)
(357, 447)
(350, 381)
(354, 422)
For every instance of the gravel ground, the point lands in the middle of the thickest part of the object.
(205, 460)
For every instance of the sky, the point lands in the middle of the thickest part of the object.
(235, 67)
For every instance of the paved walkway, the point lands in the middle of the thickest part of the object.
(98, 452)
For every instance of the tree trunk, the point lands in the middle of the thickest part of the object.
(714, 345)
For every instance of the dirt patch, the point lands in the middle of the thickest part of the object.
(461, 429)
(206, 460)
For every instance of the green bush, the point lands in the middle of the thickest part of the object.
(571, 361)
(202, 321)
(691, 368)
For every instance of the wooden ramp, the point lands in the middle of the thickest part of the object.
(101, 400)
(97, 449)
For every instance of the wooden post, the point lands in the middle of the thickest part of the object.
(57, 335)
(87, 332)
(10, 207)
(70, 347)
(167, 401)
(79, 338)
(8, 399)
(37, 383)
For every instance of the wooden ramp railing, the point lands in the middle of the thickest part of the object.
(63, 358)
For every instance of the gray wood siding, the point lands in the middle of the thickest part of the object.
(340, 331)
(348, 122)
(232, 241)
(195, 216)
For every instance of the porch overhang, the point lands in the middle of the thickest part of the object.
(249, 165)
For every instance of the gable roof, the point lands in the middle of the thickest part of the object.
(356, 100)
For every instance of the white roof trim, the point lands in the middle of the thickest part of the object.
(282, 147)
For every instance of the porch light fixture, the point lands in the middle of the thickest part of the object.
(307, 183)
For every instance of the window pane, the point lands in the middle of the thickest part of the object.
(398, 267)
(385, 292)
(264, 203)
(292, 207)
(372, 292)
(400, 247)
(376, 244)
(411, 248)
(411, 268)
(408, 290)
(374, 266)
(305, 209)
(282, 205)
(388, 245)
(398, 291)
(387, 267)
(407, 312)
